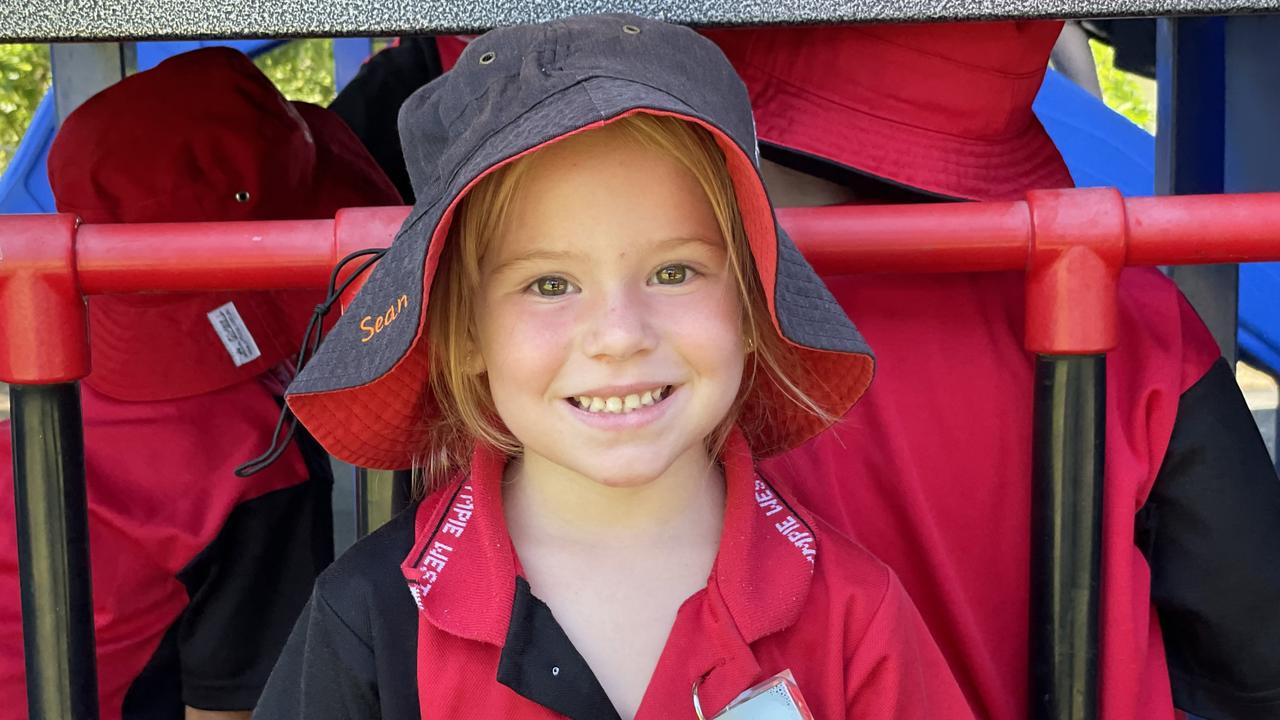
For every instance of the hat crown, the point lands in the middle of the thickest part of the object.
(505, 73)
(203, 136)
(945, 108)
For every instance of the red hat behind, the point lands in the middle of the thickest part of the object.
(944, 108)
(204, 136)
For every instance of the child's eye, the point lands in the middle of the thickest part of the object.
(550, 286)
(673, 274)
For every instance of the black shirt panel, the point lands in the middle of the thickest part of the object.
(248, 587)
(156, 694)
(245, 591)
(370, 103)
(1211, 533)
(540, 663)
(353, 653)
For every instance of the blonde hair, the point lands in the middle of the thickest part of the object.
(466, 409)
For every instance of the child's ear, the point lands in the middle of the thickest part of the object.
(474, 360)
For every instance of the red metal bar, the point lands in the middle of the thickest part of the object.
(1203, 229)
(113, 259)
(978, 237)
(950, 237)
(959, 237)
(177, 257)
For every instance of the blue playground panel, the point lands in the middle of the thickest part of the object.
(1101, 147)
(24, 188)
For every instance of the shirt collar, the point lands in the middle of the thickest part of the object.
(462, 569)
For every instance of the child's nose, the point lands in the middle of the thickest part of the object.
(620, 326)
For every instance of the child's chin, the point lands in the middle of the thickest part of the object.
(626, 481)
(624, 475)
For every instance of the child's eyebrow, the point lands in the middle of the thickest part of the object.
(677, 242)
(535, 256)
(665, 245)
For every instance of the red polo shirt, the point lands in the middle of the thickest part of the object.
(786, 592)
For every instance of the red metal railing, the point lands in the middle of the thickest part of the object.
(1072, 242)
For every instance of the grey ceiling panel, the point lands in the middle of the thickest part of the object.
(35, 20)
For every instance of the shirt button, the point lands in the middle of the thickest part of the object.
(555, 671)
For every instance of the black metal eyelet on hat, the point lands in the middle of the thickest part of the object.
(631, 29)
(488, 57)
(242, 196)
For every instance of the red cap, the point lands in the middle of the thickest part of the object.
(202, 137)
(944, 108)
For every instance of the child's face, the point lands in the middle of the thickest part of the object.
(609, 286)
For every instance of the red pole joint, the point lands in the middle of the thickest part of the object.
(1076, 254)
(44, 336)
(360, 228)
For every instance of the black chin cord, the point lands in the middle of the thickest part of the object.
(287, 425)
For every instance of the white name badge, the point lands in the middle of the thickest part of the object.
(777, 698)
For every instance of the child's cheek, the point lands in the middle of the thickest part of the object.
(710, 317)
(530, 342)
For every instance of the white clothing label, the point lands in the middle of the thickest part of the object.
(777, 698)
(235, 336)
(776, 703)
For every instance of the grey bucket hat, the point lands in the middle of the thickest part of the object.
(366, 395)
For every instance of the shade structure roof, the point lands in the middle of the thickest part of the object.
(57, 20)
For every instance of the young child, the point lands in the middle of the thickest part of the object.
(585, 328)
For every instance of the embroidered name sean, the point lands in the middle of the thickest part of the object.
(439, 552)
(372, 326)
(789, 527)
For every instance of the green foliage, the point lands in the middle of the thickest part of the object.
(1130, 95)
(302, 69)
(24, 79)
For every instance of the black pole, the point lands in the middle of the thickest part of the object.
(362, 486)
(53, 551)
(376, 498)
(1066, 528)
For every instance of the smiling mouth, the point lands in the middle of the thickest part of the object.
(620, 405)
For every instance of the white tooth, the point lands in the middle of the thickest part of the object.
(584, 402)
(596, 405)
(657, 394)
(613, 404)
(632, 402)
(647, 398)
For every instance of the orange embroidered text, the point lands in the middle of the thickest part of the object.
(372, 326)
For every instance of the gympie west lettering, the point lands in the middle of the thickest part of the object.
(442, 544)
(796, 532)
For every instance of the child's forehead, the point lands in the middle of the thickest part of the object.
(602, 192)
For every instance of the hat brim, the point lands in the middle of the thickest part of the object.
(366, 395)
(993, 169)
